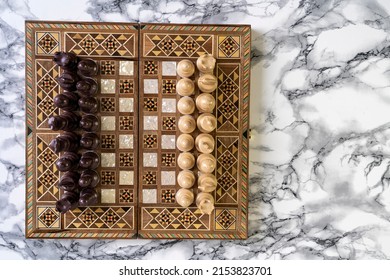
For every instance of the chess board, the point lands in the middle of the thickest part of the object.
(138, 115)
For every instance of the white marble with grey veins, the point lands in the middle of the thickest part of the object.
(320, 151)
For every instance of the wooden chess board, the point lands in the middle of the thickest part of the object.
(137, 110)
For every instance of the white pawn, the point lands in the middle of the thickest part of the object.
(186, 160)
(185, 87)
(184, 197)
(206, 163)
(186, 124)
(206, 122)
(204, 143)
(185, 68)
(185, 142)
(205, 103)
(186, 179)
(186, 105)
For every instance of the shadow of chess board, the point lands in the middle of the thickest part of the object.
(137, 111)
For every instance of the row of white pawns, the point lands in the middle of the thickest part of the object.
(204, 142)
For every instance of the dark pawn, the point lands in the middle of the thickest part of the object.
(68, 161)
(67, 121)
(88, 104)
(89, 160)
(68, 80)
(70, 181)
(87, 87)
(88, 197)
(67, 61)
(87, 67)
(65, 142)
(89, 140)
(89, 179)
(89, 123)
(66, 101)
(68, 201)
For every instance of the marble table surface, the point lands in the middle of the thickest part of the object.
(320, 148)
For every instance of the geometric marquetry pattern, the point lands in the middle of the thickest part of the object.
(228, 97)
(228, 46)
(47, 42)
(126, 195)
(107, 67)
(150, 141)
(168, 159)
(107, 104)
(126, 123)
(100, 44)
(227, 166)
(150, 104)
(157, 218)
(150, 68)
(168, 86)
(126, 159)
(100, 218)
(126, 86)
(169, 123)
(107, 141)
(107, 177)
(149, 178)
(225, 219)
(168, 196)
(47, 173)
(46, 89)
(177, 45)
(48, 217)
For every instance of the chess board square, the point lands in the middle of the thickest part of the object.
(126, 159)
(107, 159)
(169, 68)
(151, 86)
(168, 105)
(107, 123)
(126, 68)
(149, 196)
(168, 141)
(126, 177)
(168, 178)
(107, 85)
(126, 141)
(126, 123)
(126, 105)
(150, 159)
(107, 195)
(150, 122)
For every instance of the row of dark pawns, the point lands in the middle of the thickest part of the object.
(78, 139)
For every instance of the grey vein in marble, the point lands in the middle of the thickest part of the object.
(319, 153)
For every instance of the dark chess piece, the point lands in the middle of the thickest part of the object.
(69, 181)
(68, 161)
(89, 123)
(66, 101)
(88, 104)
(65, 142)
(66, 60)
(67, 121)
(89, 160)
(89, 179)
(68, 201)
(87, 87)
(88, 196)
(87, 67)
(89, 140)
(68, 80)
